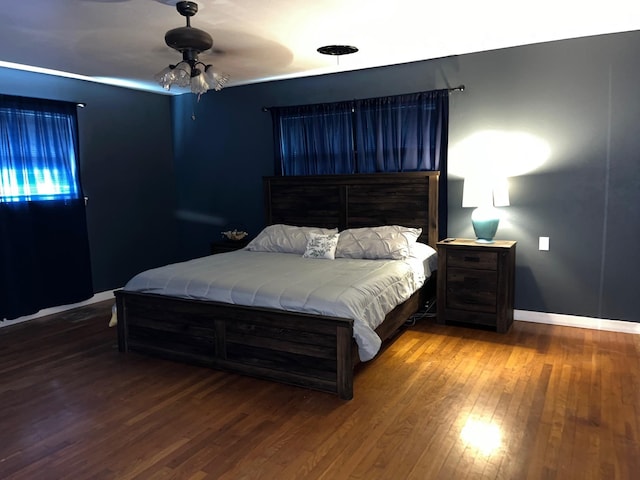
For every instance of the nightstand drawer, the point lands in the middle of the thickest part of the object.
(472, 259)
(472, 289)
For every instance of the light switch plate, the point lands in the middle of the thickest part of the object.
(543, 243)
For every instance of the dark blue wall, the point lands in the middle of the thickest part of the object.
(577, 95)
(149, 207)
(126, 156)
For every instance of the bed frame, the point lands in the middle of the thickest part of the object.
(306, 350)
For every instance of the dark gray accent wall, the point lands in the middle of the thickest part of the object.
(578, 95)
(149, 206)
(126, 155)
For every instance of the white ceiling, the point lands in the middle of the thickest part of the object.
(122, 41)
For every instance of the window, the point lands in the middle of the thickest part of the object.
(44, 247)
(38, 150)
(316, 139)
(388, 134)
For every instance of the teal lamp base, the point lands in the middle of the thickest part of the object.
(485, 222)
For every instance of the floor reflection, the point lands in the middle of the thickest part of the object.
(485, 436)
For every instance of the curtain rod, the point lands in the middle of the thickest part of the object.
(459, 88)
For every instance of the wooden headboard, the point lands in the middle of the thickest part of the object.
(351, 201)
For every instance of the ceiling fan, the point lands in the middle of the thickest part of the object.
(190, 42)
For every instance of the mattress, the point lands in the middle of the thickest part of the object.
(362, 290)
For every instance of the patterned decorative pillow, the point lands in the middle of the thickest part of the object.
(386, 242)
(285, 238)
(322, 246)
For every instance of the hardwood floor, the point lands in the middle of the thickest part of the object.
(540, 402)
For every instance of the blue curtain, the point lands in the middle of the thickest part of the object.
(406, 133)
(314, 139)
(402, 133)
(399, 133)
(44, 247)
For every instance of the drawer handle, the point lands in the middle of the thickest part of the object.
(471, 259)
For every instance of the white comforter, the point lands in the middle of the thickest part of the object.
(363, 290)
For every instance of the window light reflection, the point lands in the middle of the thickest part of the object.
(485, 436)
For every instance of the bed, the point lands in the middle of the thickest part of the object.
(310, 350)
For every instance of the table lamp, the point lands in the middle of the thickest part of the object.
(485, 195)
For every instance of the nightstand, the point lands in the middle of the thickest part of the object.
(476, 283)
(223, 246)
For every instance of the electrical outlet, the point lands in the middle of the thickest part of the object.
(543, 243)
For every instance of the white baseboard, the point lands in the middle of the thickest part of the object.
(576, 321)
(98, 297)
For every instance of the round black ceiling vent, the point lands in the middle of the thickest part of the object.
(337, 50)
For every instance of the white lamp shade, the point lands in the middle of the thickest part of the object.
(476, 193)
(501, 192)
(483, 192)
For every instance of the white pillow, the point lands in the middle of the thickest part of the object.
(322, 246)
(421, 251)
(390, 242)
(285, 238)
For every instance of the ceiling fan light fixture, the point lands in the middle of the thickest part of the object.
(163, 77)
(215, 80)
(182, 74)
(190, 71)
(199, 84)
(178, 75)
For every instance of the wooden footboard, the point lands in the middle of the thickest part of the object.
(305, 350)
(295, 348)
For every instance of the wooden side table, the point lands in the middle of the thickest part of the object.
(476, 283)
(223, 246)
